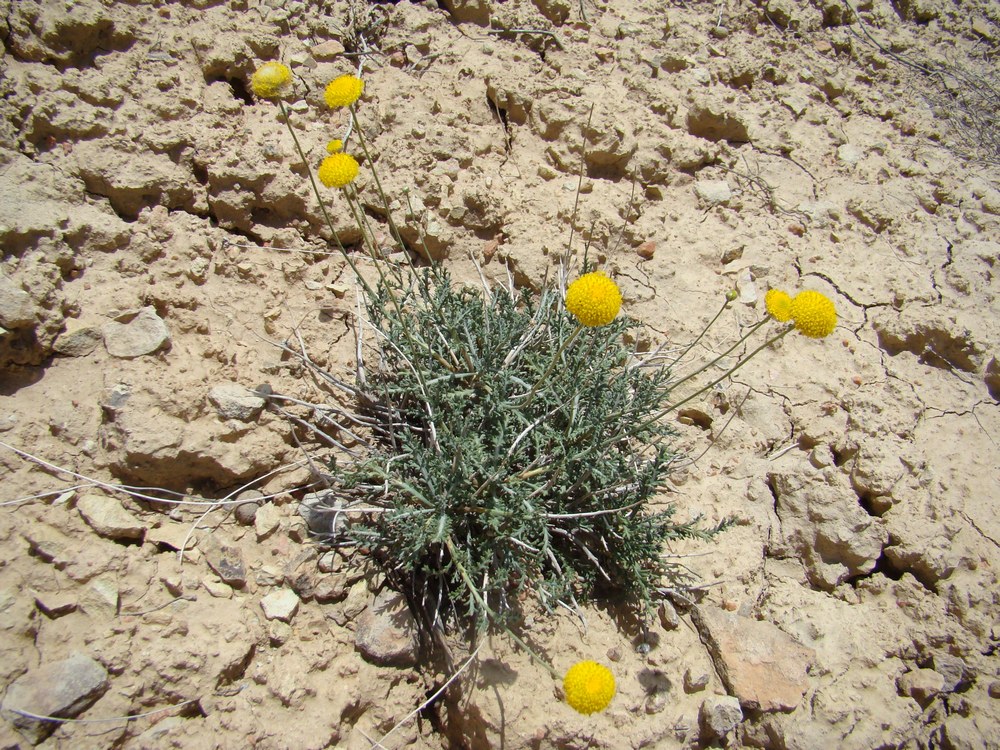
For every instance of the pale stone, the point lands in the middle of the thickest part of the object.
(387, 632)
(267, 520)
(759, 663)
(107, 517)
(849, 154)
(55, 603)
(79, 342)
(217, 589)
(64, 688)
(713, 192)
(719, 715)
(233, 401)
(143, 334)
(922, 685)
(280, 605)
(16, 308)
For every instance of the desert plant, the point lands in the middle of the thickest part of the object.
(519, 446)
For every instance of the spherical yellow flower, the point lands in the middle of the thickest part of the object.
(814, 314)
(334, 146)
(589, 687)
(594, 299)
(270, 79)
(338, 170)
(343, 91)
(778, 304)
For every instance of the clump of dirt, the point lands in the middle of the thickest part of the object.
(164, 259)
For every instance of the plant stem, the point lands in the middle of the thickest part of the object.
(552, 364)
(322, 203)
(701, 335)
(474, 592)
(727, 373)
(726, 353)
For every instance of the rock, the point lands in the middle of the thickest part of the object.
(79, 342)
(961, 733)
(172, 535)
(159, 734)
(719, 715)
(992, 378)
(280, 605)
(233, 401)
(16, 308)
(952, 669)
(107, 517)
(331, 588)
(143, 334)
(759, 664)
(64, 688)
(713, 192)
(473, 11)
(981, 27)
(823, 525)
(849, 154)
(226, 561)
(267, 519)
(695, 680)
(921, 684)
(387, 632)
(994, 689)
(278, 633)
(55, 604)
(326, 50)
(669, 619)
(101, 597)
(246, 512)
(717, 121)
(217, 589)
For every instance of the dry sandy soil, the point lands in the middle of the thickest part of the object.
(161, 246)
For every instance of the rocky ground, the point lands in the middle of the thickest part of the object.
(163, 255)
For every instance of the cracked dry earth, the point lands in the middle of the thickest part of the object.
(161, 246)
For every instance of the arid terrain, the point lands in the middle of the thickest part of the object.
(164, 257)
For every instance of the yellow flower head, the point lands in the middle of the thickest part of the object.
(343, 91)
(589, 687)
(594, 299)
(270, 79)
(779, 305)
(334, 146)
(814, 314)
(338, 170)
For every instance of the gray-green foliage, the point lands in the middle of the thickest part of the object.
(502, 472)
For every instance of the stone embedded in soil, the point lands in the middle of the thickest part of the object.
(387, 633)
(226, 561)
(79, 342)
(922, 685)
(695, 680)
(16, 308)
(952, 669)
(823, 525)
(280, 605)
(233, 401)
(719, 715)
(266, 520)
(713, 192)
(107, 517)
(758, 662)
(55, 604)
(143, 334)
(246, 512)
(64, 688)
(669, 619)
